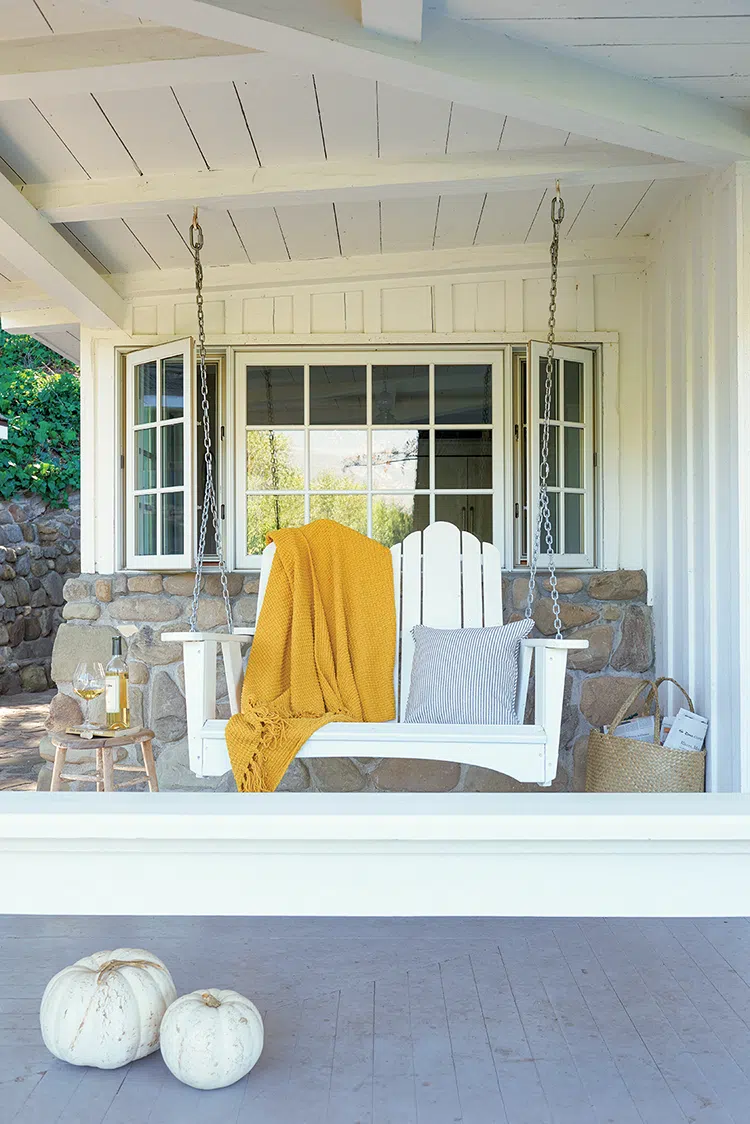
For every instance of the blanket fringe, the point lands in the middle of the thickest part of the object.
(254, 730)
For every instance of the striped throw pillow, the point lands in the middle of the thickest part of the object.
(466, 675)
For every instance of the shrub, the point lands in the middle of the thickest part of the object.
(40, 396)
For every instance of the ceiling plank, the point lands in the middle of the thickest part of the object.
(44, 257)
(400, 18)
(133, 59)
(470, 65)
(238, 189)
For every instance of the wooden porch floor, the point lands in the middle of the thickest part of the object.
(413, 1021)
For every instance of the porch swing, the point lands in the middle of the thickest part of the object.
(443, 578)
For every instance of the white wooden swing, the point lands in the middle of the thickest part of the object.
(443, 578)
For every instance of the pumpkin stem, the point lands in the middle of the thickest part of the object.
(113, 965)
(210, 1000)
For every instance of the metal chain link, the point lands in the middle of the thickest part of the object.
(209, 495)
(543, 518)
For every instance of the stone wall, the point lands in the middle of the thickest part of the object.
(608, 609)
(39, 547)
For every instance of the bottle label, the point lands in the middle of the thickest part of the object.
(112, 694)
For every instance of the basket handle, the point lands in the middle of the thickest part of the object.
(668, 679)
(637, 690)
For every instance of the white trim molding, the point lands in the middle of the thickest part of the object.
(359, 855)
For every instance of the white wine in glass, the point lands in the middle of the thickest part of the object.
(88, 683)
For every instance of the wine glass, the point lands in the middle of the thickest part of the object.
(89, 683)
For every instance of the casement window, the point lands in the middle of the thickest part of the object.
(383, 441)
(572, 462)
(159, 458)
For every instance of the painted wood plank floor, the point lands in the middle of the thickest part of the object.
(420, 1021)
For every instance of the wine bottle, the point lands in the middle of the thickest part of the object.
(116, 689)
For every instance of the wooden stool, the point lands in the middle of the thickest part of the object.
(105, 767)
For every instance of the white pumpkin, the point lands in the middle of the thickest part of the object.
(105, 1010)
(212, 1038)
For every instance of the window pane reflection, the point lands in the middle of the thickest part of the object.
(338, 459)
(145, 459)
(338, 395)
(275, 460)
(145, 524)
(573, 523)
(145, 393)
(395, 517)
(467, 512)
(400, 459)
(400, 394)
(275, 395)
(463, 393)
(172, 390)
(573, 457)
(172, 522)
(573, 391)
(349, 510)
(463, 458)
(270, 513)
(172, 456)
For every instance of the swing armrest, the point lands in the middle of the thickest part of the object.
(550, 643)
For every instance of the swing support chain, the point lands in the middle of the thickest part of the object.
(543, 516)
(209, 495)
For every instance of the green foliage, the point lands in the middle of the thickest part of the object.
(40, 396)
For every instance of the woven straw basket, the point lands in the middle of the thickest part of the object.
(625, 765)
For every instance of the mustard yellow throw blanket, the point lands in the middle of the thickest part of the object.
(323, 651)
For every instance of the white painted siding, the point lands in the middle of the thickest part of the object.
(600, 301)
(696, 569)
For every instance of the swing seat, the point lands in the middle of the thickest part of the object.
(443, 578)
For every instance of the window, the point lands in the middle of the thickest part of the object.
(383, 441)
(383, 444)
(159, 456)
(571, 453)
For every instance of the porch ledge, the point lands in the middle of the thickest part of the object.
(363, 854)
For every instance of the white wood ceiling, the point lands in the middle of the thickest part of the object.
(285, 117)
(702, 46)
(296, 119)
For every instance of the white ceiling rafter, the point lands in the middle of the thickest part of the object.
(252, 187)
(400, 18)
(45, 258)
(473, 67)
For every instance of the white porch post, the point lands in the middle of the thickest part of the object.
(743, 480)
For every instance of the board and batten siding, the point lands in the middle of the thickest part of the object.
(699, 471)
(599, 301)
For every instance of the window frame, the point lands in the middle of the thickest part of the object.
(503, 355)
(137, 358)
(453, 355)
(534, 353)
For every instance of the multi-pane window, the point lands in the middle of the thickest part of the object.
(571, 452)
(385, 447)
(159, 456)
(385, 442)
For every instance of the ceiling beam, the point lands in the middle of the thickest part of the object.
(238, 188)
(44, 257)
(623, 254)
(476, 67)
(400, 18)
